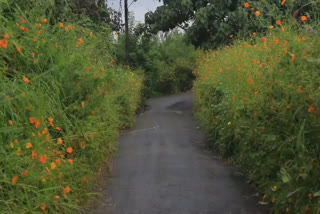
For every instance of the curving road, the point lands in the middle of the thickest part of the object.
(164, 167)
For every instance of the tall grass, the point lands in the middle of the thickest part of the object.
(63, 102)
(259, 102)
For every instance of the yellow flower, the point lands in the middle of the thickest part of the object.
(53, 166)
(29, 145)
(229, 124)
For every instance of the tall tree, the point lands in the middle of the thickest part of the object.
(210, 23)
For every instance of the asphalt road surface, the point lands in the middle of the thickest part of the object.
(164, 167)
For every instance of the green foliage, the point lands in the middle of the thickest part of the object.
(59, 90)
(168, 64)
(209, 24)
(259, 102)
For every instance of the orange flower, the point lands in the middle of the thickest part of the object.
(50, 119)
(271, 27)
(293, 59)
(43, 159)
(69, 150)
(29, 145)
(60, 141)
(70, 161)
(58, 162)
(37, 124)
(34, 39)
(80, 41)
(19, 49)
(45, 131)
(19, 152)
(61, 24)
(231, 36)
(83, 104)
(279, 22)
(43, 207)
(83, 145)
(32, 120)
(58, 129)
(26, 173)
(284, 2)
(34, 154)
(91, 34)
(313, 109)
(304, 18)
(23, 20)
(4, 43)
(22, 28)
(251, 80)
(10, 123)
(258, 13)
(15, 179)
(26, 80)
(246, 5)
(283, 29)
(67, 190)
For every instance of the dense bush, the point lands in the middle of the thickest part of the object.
(167, 63)
(63, 102)
(259, 102)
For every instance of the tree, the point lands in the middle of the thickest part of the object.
(210, 23)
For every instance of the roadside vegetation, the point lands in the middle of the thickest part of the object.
(168, 62)
(63, 103)
(67, 89)
(258, 99)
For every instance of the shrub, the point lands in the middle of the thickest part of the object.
(259, 102)
(63, 102)
(167, 64)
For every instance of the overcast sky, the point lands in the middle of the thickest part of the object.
(139, 8)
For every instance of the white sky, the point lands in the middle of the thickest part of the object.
(139, 8)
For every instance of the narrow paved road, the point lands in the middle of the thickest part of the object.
(163, 167)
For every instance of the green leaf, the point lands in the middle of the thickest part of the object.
(285, 175)
(316, 194)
